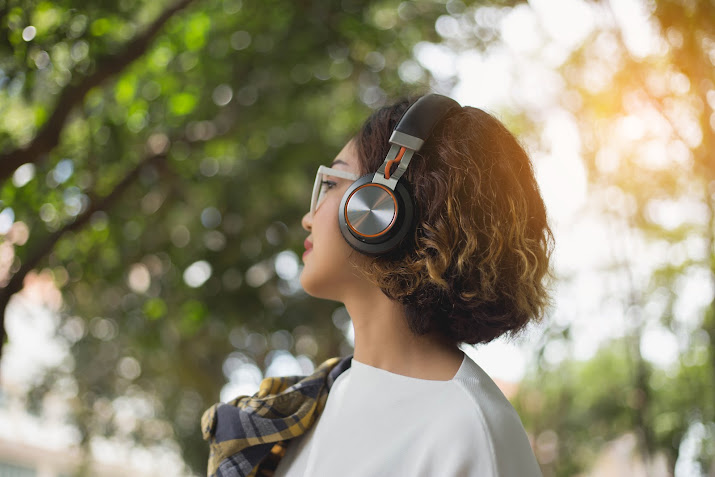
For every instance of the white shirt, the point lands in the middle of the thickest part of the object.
(377, 423)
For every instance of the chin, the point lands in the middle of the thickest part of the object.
(308, 282)
(316, 286)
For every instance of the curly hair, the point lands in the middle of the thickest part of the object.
(477, 264)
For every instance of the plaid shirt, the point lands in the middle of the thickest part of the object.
(249, 435)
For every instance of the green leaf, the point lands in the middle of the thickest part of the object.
(155, 308)
(182, 104)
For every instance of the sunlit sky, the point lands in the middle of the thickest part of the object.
(516, 74)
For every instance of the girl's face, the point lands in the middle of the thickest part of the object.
(328, 260)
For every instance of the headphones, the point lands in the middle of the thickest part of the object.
(377, 212)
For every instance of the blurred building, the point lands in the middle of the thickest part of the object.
(24, 460)
(45, 446)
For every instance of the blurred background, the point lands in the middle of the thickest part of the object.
(156, 159)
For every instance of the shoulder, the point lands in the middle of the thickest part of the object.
(479, 392)
(474, 407)
(486, 425)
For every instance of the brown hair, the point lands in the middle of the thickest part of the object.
(476, 265)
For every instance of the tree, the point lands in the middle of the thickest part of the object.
(157, 157)
(645, 115)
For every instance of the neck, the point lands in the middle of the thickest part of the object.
(384, 340)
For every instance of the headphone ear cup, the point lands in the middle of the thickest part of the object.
(374, 219)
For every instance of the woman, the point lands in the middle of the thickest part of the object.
(429, 227)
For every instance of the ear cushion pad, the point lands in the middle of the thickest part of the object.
(402, 224)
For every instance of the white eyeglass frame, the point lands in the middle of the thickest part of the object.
(323, 171)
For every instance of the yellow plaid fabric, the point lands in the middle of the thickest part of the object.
(249, 435)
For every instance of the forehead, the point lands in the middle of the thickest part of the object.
(347, 158)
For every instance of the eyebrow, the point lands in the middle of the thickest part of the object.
(338, 161)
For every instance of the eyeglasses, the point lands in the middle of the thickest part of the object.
(322, 186)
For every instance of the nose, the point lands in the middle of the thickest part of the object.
(307, 222)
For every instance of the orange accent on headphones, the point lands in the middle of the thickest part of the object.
(394, 161)
(394, 216)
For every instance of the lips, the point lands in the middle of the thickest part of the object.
(308, 246)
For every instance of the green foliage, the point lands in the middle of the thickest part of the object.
(618, 391)
(217, 127)
(579, 402)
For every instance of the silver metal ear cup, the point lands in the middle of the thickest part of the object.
(374, 209)
(377, 212)
(371, 210)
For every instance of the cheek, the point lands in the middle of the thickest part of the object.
(325, 222)
(330, 249)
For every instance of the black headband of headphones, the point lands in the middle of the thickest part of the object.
(421, 118)
(412, 131)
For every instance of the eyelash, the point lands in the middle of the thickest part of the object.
(329, 184)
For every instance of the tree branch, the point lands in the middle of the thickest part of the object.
(49, 135)
(105, 203)
(42, 250)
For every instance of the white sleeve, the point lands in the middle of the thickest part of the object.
(490, 441)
